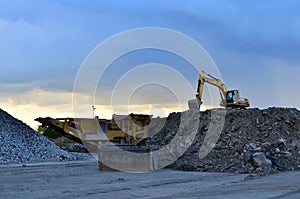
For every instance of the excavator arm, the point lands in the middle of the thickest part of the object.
(213, 81)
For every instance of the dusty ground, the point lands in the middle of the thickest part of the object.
(83, 180)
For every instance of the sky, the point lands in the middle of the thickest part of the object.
(255, 45)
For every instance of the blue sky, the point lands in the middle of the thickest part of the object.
(255, 44)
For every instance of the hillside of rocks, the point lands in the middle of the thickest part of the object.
(21, 144)
(252, 141)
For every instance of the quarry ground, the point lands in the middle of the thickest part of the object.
(82, 179)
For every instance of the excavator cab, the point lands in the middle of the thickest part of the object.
(233, 100)
(232, 96)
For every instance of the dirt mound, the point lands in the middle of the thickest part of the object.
(21, 144)
(252, 141)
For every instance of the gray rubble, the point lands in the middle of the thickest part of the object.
(252, 141)
(21, 144)
(260, 160)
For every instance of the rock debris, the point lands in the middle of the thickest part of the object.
(20, 144)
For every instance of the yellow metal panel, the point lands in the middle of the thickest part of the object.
(89, 125)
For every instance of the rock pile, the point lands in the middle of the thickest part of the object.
(252, 141)
(21, 144)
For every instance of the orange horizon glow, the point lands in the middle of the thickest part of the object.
(28, 112)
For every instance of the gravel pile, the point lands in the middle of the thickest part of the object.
(21, 144)
(252, 141)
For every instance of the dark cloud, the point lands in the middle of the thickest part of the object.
(43, 43)
(266, 28)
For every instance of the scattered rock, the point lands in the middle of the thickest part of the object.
(253, 146)
(287, 154)
(251, 176)
(260, 160)
(281, 141)
(75, 147)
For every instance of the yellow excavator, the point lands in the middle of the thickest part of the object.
(228, 98)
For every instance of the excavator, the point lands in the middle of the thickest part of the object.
(228, 98)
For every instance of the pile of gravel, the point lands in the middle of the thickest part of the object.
(252, 141)
(21, 144)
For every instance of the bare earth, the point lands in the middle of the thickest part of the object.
(84, 180)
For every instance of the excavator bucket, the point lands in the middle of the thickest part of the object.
(194, 104)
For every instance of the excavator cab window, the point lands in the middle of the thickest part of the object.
(232, 96)
(229, 96)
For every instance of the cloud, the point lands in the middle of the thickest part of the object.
(56, 36)
(28, 105)
(35, 96)
(43, 43)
